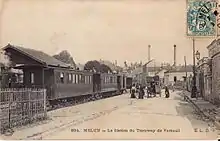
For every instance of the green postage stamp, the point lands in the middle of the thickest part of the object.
(201, 20)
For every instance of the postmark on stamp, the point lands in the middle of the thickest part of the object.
(201, 20)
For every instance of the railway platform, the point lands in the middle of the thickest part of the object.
(120, 117)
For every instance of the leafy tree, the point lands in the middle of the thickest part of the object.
(92, 65)
(65, 57)
(96, 66)
(105, 69)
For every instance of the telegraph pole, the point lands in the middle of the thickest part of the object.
(193, 94)
(186, 73)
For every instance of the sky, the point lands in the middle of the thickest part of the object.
(101, 29)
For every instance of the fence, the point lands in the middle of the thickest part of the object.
(21, 106)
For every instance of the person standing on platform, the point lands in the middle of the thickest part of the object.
(132, 91)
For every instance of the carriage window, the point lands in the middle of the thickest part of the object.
(86, 79)
(74, 79)
(80, 78)
(77, 78)
(83, 79)
(70, 77)
(90, 81)
(110, 79)
(32, 78)
(62, 77)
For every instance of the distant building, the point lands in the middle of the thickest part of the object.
(138, 73)
(178, 73)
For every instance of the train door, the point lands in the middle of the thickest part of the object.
(119, 82)
(96, 83)
(49, 83)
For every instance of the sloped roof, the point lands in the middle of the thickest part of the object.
(38, 56)
(188, 68)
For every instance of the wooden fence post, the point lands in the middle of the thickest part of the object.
(29, 105)
(9, 107)
(45, 106)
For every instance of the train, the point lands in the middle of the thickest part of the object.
(68, 85)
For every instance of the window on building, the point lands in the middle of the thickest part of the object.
(32, 78)
(62, 77)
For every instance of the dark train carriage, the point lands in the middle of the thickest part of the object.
(70, 83)
(108, 82)
(128, 82)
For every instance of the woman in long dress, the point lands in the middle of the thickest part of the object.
(133, 89)
(167, 93)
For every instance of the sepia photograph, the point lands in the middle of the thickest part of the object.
(109, 69)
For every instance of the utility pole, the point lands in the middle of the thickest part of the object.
(194, 89)
(186, 73)
(185, 65)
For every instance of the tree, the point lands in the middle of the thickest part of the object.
(65, 57)
(105, 69)
(4, 59)
(95, 65)
(92, 65)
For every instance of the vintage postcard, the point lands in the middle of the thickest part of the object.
(109, 69)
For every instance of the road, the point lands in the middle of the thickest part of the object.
(120, 117)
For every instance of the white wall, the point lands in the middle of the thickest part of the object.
(169, 77)
(161, 73)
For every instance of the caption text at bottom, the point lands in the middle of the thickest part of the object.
(126, 130)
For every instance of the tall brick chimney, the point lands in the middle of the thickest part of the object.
(174, 57)
(149, 46)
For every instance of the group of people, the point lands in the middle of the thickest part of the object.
(146, 90)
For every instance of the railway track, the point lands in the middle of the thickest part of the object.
(80, 100)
